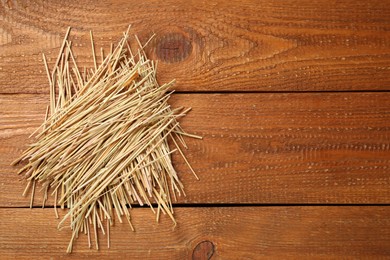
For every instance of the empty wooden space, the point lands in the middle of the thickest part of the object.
(291, 98)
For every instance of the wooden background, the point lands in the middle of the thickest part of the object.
(292, 99)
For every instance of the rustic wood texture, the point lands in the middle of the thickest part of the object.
(257, 148)
(312, 130)
(210, 46)
(235, 232)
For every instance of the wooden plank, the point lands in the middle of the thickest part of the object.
(257, 148)
(234, 232)
(267, 45)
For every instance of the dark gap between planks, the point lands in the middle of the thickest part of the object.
(238, 205)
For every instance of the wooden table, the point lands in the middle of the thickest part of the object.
(292, 99)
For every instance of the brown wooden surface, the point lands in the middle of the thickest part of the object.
(257, 148)
(235, 232)
(240, 45)
(312, 130)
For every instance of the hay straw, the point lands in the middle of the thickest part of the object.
(104, 143)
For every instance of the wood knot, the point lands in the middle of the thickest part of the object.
(203, 251)
(173, 47)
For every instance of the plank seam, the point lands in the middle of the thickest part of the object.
(238, 205)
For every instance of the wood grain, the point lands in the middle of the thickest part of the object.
(236, 233)
(257, 148)
(248, 45)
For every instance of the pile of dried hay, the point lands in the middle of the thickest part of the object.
(104, 143)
